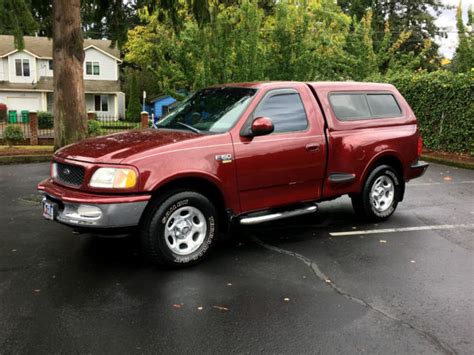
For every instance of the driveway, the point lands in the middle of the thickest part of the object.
(325, 283)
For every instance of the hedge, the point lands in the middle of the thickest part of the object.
(45, 120)
(443, 102)
(13, 135)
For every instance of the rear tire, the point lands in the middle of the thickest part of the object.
(179, 229)
(380, 195)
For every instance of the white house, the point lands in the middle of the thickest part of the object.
(26, 76)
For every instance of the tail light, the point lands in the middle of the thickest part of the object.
(420, 145)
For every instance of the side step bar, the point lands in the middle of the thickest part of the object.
(278, 215)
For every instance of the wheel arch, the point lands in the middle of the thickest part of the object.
(390, 158)
(203, 184)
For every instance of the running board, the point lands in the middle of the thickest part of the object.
(278, 215)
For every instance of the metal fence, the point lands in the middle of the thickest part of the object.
(45, 130)
(23, 122)
(110, 124)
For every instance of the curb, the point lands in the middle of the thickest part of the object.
(455, 163)
(24, 159)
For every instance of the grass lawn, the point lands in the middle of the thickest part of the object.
(48, 148)
(119, 125)
(26, 150)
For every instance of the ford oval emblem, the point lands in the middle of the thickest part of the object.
(66, 171)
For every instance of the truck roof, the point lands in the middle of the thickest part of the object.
(339, 85)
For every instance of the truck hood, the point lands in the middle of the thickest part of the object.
(114, 148)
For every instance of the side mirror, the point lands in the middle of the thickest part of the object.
(259, 127)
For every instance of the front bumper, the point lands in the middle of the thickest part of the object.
(79, 209)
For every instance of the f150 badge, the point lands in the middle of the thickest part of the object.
(224, 158)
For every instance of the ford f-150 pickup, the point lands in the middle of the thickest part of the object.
(235, 154)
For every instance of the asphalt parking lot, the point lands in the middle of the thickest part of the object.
(296, 286)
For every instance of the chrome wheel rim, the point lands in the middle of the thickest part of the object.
(382, 193)
(185, 230)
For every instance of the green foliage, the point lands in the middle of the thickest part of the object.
(463, 60)
(240, 43)
(416, 17)
(146, 82)
(45, 120)
(12, 135)
(443, 104)
(308, 40)
(16, 19)
(134, 107)
(94, 128)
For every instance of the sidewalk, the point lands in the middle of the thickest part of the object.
(25, 154)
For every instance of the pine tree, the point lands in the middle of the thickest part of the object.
(463, 60)
(416, 17)
(134, 108)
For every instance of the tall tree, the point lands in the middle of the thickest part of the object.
(414, 16)
(18, 17)
(68, 56)
(463, 60)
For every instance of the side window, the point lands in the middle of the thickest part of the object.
(363, 106)
(350, 106)
(383, 105)
(286, 110)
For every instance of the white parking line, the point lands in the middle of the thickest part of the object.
(405, 229)
(439, 183)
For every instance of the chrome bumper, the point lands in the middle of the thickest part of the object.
(115, 215)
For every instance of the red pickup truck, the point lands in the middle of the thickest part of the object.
(239, 154)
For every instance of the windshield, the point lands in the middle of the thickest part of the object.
(212, 110)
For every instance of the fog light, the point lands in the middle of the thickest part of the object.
(86, 211)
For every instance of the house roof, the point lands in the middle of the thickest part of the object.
(42, 47)
(160, 98)
(46, 85)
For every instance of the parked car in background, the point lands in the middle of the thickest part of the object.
(239, 154)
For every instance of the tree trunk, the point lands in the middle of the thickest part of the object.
(70, 120)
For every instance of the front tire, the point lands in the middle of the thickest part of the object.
(380, 194)
(179, 229)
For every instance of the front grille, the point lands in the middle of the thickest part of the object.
(70, 174)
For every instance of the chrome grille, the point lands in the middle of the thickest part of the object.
(70, 174)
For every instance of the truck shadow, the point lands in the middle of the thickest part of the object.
(332, 216)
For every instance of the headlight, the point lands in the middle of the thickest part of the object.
(114, 178)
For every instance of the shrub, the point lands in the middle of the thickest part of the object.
(45, 120)
(12, 135)
(93, 128)
(442, 102)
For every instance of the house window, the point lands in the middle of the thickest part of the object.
(50, 64)
(101, 103)
(22, 67)
(92, 68)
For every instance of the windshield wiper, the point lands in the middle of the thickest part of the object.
(189, 127)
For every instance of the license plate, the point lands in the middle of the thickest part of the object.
(49, 209)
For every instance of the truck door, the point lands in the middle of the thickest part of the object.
(288, 165)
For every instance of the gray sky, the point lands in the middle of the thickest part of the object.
(447, 20)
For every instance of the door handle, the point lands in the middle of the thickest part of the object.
(312, 147)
